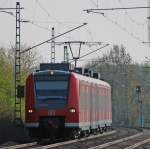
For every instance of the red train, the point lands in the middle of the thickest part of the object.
(63, 102)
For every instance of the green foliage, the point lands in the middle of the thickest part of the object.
(6, 85)
(7, 89)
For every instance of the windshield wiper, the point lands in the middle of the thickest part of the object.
(51, 98)
(45, 99)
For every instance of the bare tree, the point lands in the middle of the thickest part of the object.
(29, 60)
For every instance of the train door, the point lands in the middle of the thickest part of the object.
(90, 101)
(91, 107)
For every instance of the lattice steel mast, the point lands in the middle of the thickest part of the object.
(17, 113)
(66, 55)
(53, 46)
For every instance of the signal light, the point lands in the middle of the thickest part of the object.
(20, 91)
(138, 89)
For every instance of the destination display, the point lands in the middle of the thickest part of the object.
(51, 77)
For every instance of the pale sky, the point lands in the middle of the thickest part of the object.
(129, 27)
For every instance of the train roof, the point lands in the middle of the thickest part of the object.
(44, 72)
(79, 76)
(92, 80)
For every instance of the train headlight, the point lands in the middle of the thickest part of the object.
(30, 111)
(51, 72)
(72, 110)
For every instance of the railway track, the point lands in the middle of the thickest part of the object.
(37, 146)
(120, 138)
(76, 141)
(21, 146)
(94, 141)
(131, 142)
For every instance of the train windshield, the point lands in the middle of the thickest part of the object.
(51, 90)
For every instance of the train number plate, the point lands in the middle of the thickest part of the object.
(51, 112)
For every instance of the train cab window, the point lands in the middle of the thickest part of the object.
(51, 91)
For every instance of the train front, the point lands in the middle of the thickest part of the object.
(47, 94)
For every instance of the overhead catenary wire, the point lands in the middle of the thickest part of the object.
(59, 22)
(99, 11)
(90, 34)
(128, 15)
(10, 8)
(29, 21)
(53, 38)
(124, 29)
(11, 13)
(48, 14)
(48, 21)
(39, 26)
(94, 3)
(23, 20)
(121, 8)
(121, 27)
(141, 25)
(33, 22)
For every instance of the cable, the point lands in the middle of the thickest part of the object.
(135, 22)
(89, 53)
(39, 26)
(121, 27)
(90, 33)
(94, 3)
(130, 18)
(54, 38)
(35, 23)
(122, 8)
(28, 21)
(116, 23)
(49, 15)
(47, 22)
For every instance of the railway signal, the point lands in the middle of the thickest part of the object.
(138, 89)
(140, 102)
